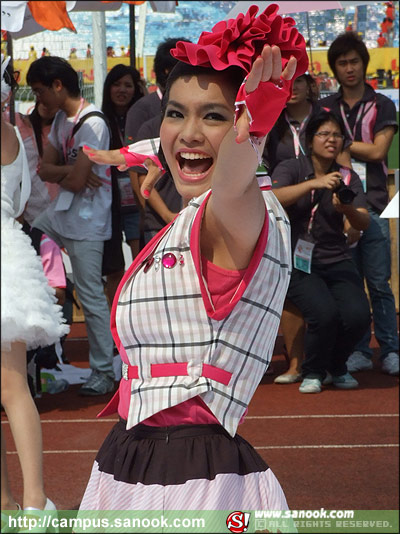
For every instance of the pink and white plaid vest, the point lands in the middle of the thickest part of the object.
(175, 348)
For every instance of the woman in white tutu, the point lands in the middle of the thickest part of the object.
(29, 316)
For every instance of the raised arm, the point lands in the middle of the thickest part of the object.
(236, 211)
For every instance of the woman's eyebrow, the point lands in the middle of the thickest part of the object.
(208, 106)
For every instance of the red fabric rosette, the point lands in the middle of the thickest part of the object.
(239, 42)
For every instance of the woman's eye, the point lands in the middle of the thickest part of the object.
(215, 117)
(174, 114)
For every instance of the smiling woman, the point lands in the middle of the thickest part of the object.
(196, 315)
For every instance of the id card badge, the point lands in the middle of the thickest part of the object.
(126, 192)
(303, 255)
(361, 169)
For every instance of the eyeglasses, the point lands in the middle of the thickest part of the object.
(327, 135)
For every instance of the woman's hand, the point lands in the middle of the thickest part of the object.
(154, 173)
(104, 157)
(327, 181)
(266, 68)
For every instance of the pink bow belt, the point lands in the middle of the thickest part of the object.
(158, 370)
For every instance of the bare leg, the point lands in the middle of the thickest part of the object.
(24, 423)
(293, 330)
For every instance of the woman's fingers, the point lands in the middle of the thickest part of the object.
(152, 177)
(276, 64)
(267, 56)
(290, 69)
(104, 157)
(254, 77)
(268, 67)
(242, 128)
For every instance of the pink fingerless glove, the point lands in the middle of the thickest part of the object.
(134, 159)
(263, 106)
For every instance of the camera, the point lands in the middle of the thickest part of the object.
(344, 193)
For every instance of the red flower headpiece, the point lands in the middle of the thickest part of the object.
(240, 41)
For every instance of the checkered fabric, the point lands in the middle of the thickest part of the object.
(161, 318)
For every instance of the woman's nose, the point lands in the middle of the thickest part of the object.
(191, 131)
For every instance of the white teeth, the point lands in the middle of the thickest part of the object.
(191, 155)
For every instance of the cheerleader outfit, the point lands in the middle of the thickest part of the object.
(29, 312)
(195, 341)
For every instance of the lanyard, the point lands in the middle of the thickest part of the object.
(360, 114)
(67, 142)
(313, 211)
(296, 133)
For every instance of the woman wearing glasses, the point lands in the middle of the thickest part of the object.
(318, 193)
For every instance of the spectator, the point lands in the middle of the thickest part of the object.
(325, 285)
(88, 51)
(79, 218)
(122, 51)
(370, 122)
(390, 10)
(110, 51)
(32, 53)
(287, 138)
(382, 41)
(122, 88)
(45, 52)
(29, 317)
(72, 54)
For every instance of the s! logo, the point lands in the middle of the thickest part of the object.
(238, 522)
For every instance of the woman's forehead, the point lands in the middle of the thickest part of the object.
(215, 86)
(330, 123)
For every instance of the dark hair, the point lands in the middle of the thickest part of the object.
(164, 62)
(9, 77)
(107, 107)
(36, 121)
(345, 43)
(233, 75)
(317, 120)
(47, 69)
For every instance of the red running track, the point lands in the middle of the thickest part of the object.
(334, 450)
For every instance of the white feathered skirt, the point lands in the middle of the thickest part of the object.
(29, 312)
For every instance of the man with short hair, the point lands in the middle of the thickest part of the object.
(79, 218)
(370, 121)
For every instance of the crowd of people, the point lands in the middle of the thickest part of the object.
(221, 260)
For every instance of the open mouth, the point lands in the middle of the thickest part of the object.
(194, 164)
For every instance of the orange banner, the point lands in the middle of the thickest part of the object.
(51, 15)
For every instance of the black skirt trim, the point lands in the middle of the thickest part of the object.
(173, 455)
